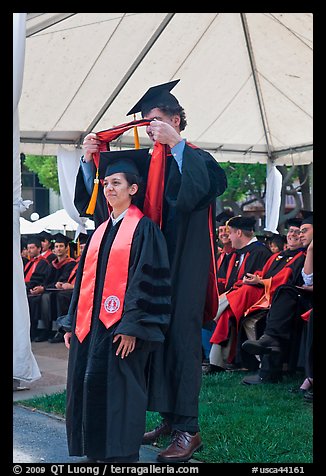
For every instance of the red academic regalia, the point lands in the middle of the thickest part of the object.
(281, 268)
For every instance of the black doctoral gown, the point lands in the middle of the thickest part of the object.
(176, 368)
(107, 395)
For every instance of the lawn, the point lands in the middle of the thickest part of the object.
(266, 423)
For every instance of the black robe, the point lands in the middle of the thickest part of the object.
(176, 367)
(107, 395)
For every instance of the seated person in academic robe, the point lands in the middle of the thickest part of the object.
(119, 313)
(66, 288)
(257, 292)
(58, 271)
(277, 243)
(23, 250)
(47, 241)
(225, 254)
(249, 257)
(283, 319)
(223, 258)
(35, 274)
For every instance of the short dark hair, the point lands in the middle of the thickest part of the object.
(131, 179)
(171, 111)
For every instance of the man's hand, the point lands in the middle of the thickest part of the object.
(164, 133)
(37, 290)
(250, 278)
(126, 346)
(91, 145)
(67, 286)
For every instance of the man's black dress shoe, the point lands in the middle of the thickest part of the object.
(256, 379)
(264, 345)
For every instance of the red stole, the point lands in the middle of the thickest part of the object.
(116, 275)
(72, 275)
(58, 264)
(153, 204)
(211, 304)
(30, 267)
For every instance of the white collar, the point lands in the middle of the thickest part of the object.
(116, 220)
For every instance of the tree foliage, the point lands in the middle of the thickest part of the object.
(244, 180)
(45, 166)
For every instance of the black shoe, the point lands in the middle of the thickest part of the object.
(264, 345)
(309, 396)
(58, 337)
(43, 336)
(256, 379)
(212, 369)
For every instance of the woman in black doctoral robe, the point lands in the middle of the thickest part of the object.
(119, 312)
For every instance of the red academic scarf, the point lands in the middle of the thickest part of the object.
(116, 276)
(58, 264)
(153, 204)
(72, 275)
(31, 266)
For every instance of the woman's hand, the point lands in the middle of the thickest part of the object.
(67, 338)
(126, 346)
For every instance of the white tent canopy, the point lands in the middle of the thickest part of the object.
(245, 79)
(57, 221)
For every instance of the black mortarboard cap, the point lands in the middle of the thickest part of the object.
(23, 241)
(156, 96)
(308, 217)
(293, 222)
(134, 161)
(61, 238)
(242, 223)
(45, 235)
(34, 239)
(82, 237)
(223, 217)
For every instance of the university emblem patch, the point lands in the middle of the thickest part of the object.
(112, 304)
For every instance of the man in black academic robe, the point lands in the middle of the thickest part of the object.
(193, 179)
(35, 275)
(44, 301)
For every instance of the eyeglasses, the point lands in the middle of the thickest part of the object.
(293, 231)
(303, 231)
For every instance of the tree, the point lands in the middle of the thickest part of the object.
(45, 166)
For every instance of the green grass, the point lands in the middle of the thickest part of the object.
(239, 424)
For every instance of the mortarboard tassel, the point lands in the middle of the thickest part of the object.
(91, 206)
(78, 246)
(136, 137)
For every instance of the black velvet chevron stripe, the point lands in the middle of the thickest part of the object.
(154, 290)
(153, 308)
(155, 272)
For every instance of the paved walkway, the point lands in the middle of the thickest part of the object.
(39, 437)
